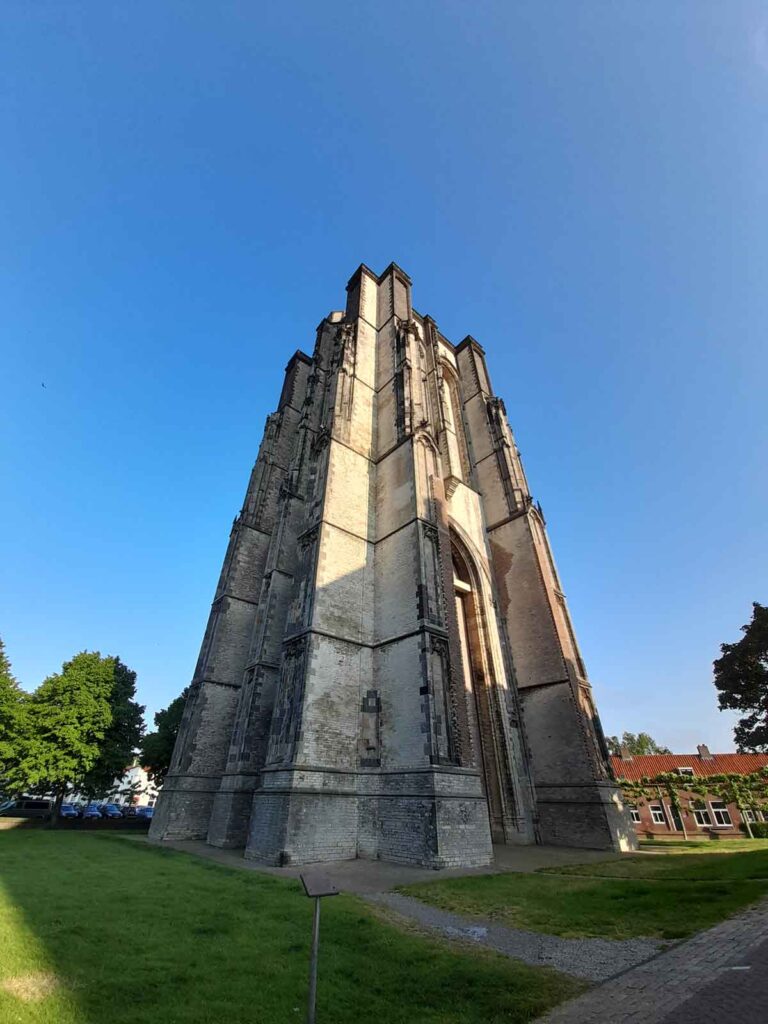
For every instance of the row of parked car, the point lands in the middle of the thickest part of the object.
(94, 811)
(32, 807)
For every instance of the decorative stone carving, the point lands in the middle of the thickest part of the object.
(286, 721)
(304, 587)
(402, 380)
(507, 459)
(345, 386)
(370, 730)
(446, 741)
(434, 604)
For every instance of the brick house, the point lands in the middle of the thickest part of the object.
(705, 816)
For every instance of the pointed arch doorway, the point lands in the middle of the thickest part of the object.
(481, 724)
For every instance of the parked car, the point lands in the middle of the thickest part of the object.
(91, 811)
(68, 811)
(145, 812)
(110, 811)
(26, 807)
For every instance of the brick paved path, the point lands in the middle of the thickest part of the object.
(734, 995)
(696, 982)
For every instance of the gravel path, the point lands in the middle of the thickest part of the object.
(592, 959)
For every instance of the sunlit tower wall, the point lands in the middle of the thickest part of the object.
(389, 668)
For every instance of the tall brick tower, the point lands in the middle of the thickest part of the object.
(389, 668)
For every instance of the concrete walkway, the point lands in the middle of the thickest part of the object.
(592, 959)
(364, 877)
(718, 975)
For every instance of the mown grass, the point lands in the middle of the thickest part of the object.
(651, 896)
(113, 931)
(703, 845)
(692, 865)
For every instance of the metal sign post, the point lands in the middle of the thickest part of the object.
(315, 886)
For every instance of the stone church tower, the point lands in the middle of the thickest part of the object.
(389, 668)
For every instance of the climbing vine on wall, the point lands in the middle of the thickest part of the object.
(747, 792)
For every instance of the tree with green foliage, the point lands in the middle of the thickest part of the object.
(157, 747)
(12, 709)
(741, 679)
(121, 738)
(637, 745)
(64, 726)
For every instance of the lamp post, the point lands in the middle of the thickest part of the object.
(315, 886)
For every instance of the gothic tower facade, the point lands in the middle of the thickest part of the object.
(389, 668)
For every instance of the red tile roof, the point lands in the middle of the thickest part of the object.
(649, 765)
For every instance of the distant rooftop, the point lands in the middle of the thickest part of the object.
(635, 767)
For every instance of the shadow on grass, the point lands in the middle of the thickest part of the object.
(137, 934)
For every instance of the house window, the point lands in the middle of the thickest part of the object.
(701, 814)
(657, 814)
(749, 815)
(634, 815)
(720, 812)
(685, 771)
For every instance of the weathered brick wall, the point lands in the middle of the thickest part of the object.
(303, 815)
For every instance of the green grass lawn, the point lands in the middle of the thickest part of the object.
(102, 930)
(638, 895)
(703, 845)
(687, 865)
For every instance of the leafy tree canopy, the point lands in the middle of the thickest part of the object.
(157, 747)
(121, 738)
(5, 666)
(637, 744)
(12, 708)
(65, 723)
(741, 678)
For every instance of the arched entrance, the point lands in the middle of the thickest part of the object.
(481, 699)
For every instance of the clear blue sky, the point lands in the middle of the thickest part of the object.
(184, 192)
